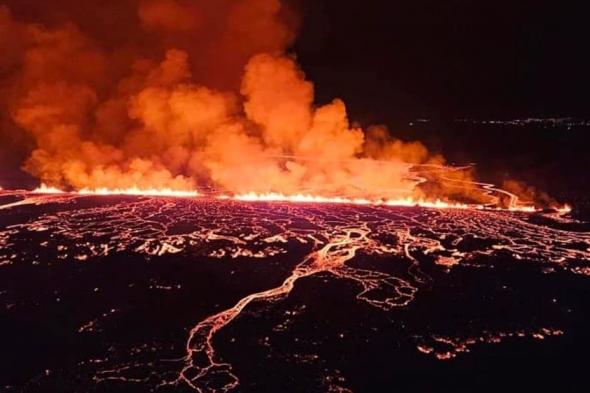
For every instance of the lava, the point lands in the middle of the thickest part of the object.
(183, 96)
(165, 192)
(307, 198)
(335, 235)
(139, 191)
(44, 189)
(294, 198)
(232, 111)
(448, 348)
(201, 364)
(407, 202)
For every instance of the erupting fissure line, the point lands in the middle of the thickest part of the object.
(44, 189)
(400, 202)
(140, 191)
(307, 198)
(489, 189)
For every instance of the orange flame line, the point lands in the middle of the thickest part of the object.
(407, 202)
(303, 198)
(44, 189)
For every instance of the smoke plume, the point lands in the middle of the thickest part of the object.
(182, 94)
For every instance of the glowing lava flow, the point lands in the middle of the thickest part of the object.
(299, 198)
(514, 204)
(384, 252)
(407, 202)
(306, 198)
(168, 192)
(202, 370)
(139, 191)
(44, 189)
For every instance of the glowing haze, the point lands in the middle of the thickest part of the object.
(176, 95)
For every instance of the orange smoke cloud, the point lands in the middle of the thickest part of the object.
(168, 15)
(528, 193)
(201, 93)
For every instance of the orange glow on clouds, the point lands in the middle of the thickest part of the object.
(214, 100)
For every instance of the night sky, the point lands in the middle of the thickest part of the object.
(397, 60)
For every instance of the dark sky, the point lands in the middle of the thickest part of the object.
(395, 60)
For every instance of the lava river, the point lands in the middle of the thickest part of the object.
(387, 257)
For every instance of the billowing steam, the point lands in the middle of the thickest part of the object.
(182, 94)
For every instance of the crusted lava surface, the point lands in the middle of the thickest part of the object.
(138, 294)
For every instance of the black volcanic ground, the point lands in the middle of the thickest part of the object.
(137, 294)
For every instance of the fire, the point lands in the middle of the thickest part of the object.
(139, 191)
(307, 198)
(407, 202)
(44, 189)
(525, 209)
(233, 112)
(164, 192)
(295, 198)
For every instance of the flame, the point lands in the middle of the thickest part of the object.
(525, 209)
(297, 198)
(139, 191)
(407, 202)
(232, 111)
(45, 189)
(164, 192)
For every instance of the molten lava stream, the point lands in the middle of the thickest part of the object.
(165, 192)
(400, 202)
(514, 204)
(202, 367)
